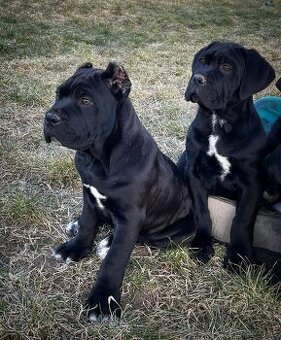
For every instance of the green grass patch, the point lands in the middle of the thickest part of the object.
(24, 209)
(62, 171)
(59, 28)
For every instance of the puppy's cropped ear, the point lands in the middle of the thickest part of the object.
(118, 80)
(86, 65)
(258, 74)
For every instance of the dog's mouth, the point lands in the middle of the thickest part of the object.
(194, 98)
(47, 135)
(64, 140)
(51, 139)
(191, 95)
(48, 138)
(202, 96)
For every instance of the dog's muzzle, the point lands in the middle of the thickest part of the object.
(52, 120)
(197, 81)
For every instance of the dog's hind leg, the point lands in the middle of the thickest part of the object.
(180, 232)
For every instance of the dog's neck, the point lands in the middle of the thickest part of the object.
(235, 113)
(125, 129)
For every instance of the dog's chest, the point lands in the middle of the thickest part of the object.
(93, 179)
(100, 198)
(214, 139)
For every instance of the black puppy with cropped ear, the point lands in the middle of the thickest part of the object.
(226, 143)
(127, 181)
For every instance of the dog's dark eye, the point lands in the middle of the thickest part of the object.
(85, 101)
(201, 60)
(226, 67)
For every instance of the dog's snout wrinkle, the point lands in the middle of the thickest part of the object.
(199, 79)
(53, 118)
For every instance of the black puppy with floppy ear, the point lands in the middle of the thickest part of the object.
(226, 142)
(258, 74)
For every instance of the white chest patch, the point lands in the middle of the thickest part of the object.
(223, 161)
(98, 196)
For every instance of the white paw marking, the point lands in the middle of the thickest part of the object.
(69, 260)
(98, 196)
(93, 317)
(72, 227)
(102, 248)
(223, 161)
(58, 257)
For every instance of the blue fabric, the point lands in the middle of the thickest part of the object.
(269, 109)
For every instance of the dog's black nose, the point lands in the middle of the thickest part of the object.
(199, 79)
(53, 118)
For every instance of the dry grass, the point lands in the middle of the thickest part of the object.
(165, 294)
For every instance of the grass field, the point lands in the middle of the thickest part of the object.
(165, 294)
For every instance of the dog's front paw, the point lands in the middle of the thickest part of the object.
(72, 228)
(73, 250)
(103, 305)
(202, 248)
(204, 254)
(235, 259)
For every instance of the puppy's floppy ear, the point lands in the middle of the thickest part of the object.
(118, 80)
(86, 65)
(258, 74)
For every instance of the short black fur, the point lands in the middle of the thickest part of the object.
(127, 181)
(226, 142)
